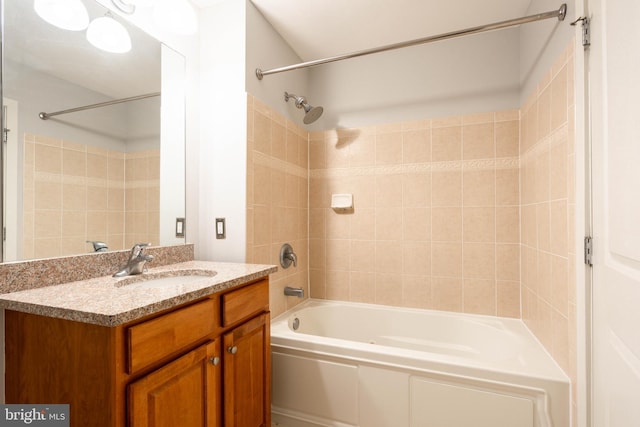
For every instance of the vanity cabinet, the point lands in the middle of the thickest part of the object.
(205, 363)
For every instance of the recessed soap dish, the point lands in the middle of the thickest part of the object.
(342, 202)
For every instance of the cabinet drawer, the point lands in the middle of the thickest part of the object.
(160, 337)
(242, 303)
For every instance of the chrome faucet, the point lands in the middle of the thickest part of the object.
(98, 246)
(135, 264)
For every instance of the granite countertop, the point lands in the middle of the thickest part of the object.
(110, 301)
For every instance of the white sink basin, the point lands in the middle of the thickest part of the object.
(167, 279)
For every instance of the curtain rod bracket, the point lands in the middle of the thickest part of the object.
(560, 14)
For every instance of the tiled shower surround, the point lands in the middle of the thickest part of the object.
(470, 213)
(75, 192)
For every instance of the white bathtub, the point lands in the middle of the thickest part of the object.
(350, 364)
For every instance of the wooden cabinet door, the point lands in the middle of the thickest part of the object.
(185, 392)
(247, 374)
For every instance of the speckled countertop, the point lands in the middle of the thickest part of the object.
(110, 301)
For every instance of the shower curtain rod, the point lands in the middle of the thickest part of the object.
(45, 116)
(561, 13)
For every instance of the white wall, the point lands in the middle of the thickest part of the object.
(452, 77)
(172, 159)
(542, 42)
(266, 49)
(223, 134)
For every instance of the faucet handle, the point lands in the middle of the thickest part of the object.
(287, 256)
(137, 249)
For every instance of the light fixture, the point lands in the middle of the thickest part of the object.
(142, 3)
(109, 35)
(124, 7)
(66, 14)
(176, 16)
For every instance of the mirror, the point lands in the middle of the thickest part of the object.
(113, 174)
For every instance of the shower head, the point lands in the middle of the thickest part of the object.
(311, 113)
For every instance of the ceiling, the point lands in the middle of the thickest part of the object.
(317, 29)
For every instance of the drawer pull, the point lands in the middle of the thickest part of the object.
(233, 350)
(215, 361)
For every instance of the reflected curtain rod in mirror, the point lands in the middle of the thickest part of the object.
(45, 116)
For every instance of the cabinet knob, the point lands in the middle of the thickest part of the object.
(232, 350)
(214, 360)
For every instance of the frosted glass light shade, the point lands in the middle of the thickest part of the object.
(176, 16)
(142, 3)
(109, 35)
(66, 14)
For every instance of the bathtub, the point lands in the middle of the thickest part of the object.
(350, 364)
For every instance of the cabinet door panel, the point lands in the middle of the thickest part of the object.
(185, 392)
(247, 374)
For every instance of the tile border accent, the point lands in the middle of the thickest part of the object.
(280, 165)
(465, 165)
(558, 136)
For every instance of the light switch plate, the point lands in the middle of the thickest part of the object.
(221, 229)
(180, 226)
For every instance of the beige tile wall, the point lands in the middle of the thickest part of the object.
(74, 192)
(277, 194)
(548, 210)
(436, 214)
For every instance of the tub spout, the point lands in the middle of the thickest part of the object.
(294, 292)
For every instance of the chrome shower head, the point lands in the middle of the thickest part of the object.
(311, 113)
